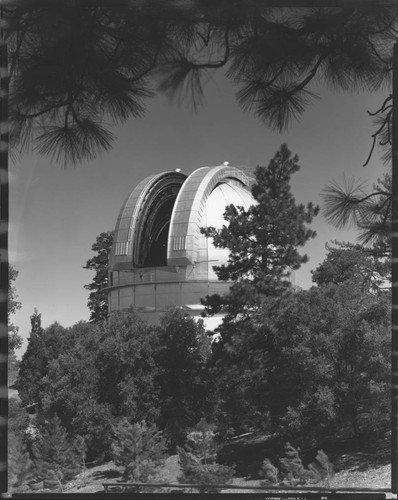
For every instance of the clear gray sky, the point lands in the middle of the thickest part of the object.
(57, 213)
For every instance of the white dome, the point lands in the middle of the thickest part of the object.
(223, 195)
(159, 257)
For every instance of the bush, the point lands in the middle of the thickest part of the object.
(269, 472)
(292, 471)
(139, 448)
(198, 460)
(322, 468)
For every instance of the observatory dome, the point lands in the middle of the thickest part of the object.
(159, 257)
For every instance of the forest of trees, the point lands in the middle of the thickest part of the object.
(305, 366)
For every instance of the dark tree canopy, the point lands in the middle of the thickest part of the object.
(43, 345)
(184, 382)
(370, 212)
(346, 262)
(115, 55)
(311, 365)
(91, 375)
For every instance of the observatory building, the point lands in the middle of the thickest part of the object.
(159, 257)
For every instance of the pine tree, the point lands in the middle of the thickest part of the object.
(56, 458)
(139, 448)
(15, 339)
(351, 205)
(322, 468)
(200, 442)
(198, 460)
(32, 365)
(293, 469)
(269, 472)
(80, 446)
(183, 378)
(44, 345)
(98, 298)
(21, 471)
(346, 262)
(263, 240)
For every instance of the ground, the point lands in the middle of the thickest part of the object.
(360, 471)
(353, 469)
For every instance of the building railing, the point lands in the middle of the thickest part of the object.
(169, 274)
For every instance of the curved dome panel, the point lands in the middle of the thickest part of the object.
(223, 195)
(143, 223)
(190, 208)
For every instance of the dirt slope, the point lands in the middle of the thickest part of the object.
(358, 473)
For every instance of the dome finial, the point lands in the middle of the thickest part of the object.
(226, 163)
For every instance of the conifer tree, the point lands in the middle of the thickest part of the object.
(183, 378)
(15, 339)
(44, 345)
(21, 471)
(139, 448)
(293, 468)
(293, 472)
(57, 460)
(80, 446)
(263, 240)
(269, 472)
(322, 468)
(198, 460)
(33, 361)
(98, 298)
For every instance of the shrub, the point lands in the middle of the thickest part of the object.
(292, 471)
(139, 448)
(322, 468)
(269, 472)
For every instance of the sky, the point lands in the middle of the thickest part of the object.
(57, 213)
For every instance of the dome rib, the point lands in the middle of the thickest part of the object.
(131, 230)
(189, 207)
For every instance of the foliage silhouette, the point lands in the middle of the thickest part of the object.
(98, 297)
(116, 56)
(183, 378)
(349, 205)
